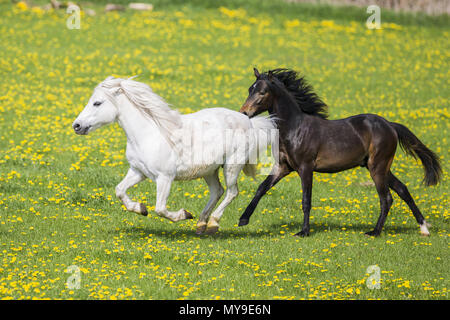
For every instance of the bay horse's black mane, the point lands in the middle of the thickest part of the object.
(307, 100)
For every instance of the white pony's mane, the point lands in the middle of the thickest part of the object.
(151, 104)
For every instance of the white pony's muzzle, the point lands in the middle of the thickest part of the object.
(80, 129)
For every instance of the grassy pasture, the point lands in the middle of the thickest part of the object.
(57, 202)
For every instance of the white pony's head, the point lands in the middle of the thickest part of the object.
(101, 108)
(104, 107)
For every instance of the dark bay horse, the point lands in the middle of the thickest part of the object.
(309, 142)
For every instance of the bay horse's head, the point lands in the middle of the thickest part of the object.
(260, 97)
(99, 111)
(286, 83)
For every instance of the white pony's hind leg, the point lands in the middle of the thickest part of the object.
(231, 173)
(132, 177)
(215, 192)
(162, 193)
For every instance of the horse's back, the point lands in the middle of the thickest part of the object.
(371, 126)
(346, 143)
(219, 118)
(377, 134)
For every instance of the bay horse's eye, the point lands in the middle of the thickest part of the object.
(97, 103)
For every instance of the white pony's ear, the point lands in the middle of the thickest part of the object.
(118, 91)
(109, 78)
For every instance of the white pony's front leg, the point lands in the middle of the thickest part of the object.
(162, 193)
(133, 177)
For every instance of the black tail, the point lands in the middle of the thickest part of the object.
(414, 147)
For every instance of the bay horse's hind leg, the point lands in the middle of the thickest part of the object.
(381, 154)
(385, 203)
(215, 192)
(379, 174)
(402, 191)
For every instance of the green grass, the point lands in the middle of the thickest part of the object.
(57, 203)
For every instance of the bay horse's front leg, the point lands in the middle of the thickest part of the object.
(278, 172)
(306, 175)
(132, 177)
(163, 184)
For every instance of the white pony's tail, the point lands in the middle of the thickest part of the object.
(250, 170)
(264, 137)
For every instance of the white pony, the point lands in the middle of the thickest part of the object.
(164, 145)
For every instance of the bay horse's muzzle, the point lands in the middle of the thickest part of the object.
(245, 110)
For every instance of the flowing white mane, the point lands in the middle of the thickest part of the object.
(151, 104)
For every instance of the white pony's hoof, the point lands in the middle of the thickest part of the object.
(211, 229)
(424, 229)
(188, 215)
(200, 229)
(144, 211)
(212, 226)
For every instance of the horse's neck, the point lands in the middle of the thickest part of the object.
(285, 109)
(134, 123)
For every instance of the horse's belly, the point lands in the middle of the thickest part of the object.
(194, 172)
(200, 154)
(340, 161)
(334, 167)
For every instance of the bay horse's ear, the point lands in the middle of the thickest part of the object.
(256, 72)
(270, 75)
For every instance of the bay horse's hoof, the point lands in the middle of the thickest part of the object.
(143, 210)
(302, 233)
(373, 233)
(200, 229)
(188, 215)
(243, 222)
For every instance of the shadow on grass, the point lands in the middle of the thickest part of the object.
(247, 232)
(182, 233)
(362, 228)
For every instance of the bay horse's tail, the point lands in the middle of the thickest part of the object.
(415, 148)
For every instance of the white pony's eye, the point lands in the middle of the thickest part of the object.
(97, 103)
